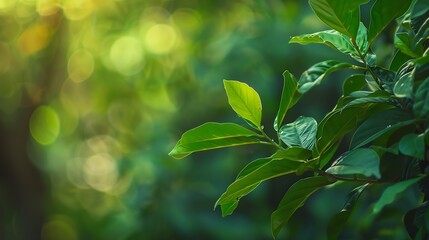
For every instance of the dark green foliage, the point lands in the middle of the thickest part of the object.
(387, 108)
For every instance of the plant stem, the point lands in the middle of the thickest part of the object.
(272, 142)
(362, 57)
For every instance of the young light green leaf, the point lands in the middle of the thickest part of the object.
(413, 145)
(252, 166)
(301, 133)
(391, 192)
(379, 124)
(404, 86)
(244, 100)
(240, 187)
(211, 136)
(421, 100)
(340, 15)
(382, 13)
(362, 161)
(289, 97)
(337, 223)
(294, 199)
(316, 73)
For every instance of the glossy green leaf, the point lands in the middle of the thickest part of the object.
(362, 161)
(362, 38)
(404, 86)
(289, 97)
(385, 76)
(337, 223)
(294, 199)
(316, 73)
(244, 100)
(421, 100)
(419, 14)
(382, 13)
(240, 187)
(405, 42)
(301, 133)
(354, 83)
(340, 15)
(252, 166)
(379, 124)
(391, 192)
(330, 38)
(413, 145)
(211, 136)
(335, 125)
(367, 100)
(397, 61)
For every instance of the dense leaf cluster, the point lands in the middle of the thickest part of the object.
(385, 108)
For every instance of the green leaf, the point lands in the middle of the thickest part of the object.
(362, 38)
(391, 192)
(316, 73)
(419, 14)
(292, 153)
(363, 161)
(337, 223)
(379, 124)
(397, 61)
(330, 38)
(404, 86)
(421, 100)
(240, 187)
(252, 166)
(244, 100)
(294, 199)
(413, 145)
(366, 100)
(340, 15)
(228, 209)
(289, 97)
(404, 42)
(301, 133)
(354, 83)
(335, 125)
(211, 136)
(382, 13)
(385, 76)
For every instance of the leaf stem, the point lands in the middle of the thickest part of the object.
(362, 57)
(271, 141)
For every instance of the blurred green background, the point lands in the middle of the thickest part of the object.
(94, 94)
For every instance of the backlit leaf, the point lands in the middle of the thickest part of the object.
(289, 97)
(340, 15)
(211, 136)
(244, 100)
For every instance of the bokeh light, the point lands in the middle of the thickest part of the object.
(45, 125)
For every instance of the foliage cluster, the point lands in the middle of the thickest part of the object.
(383, 115)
